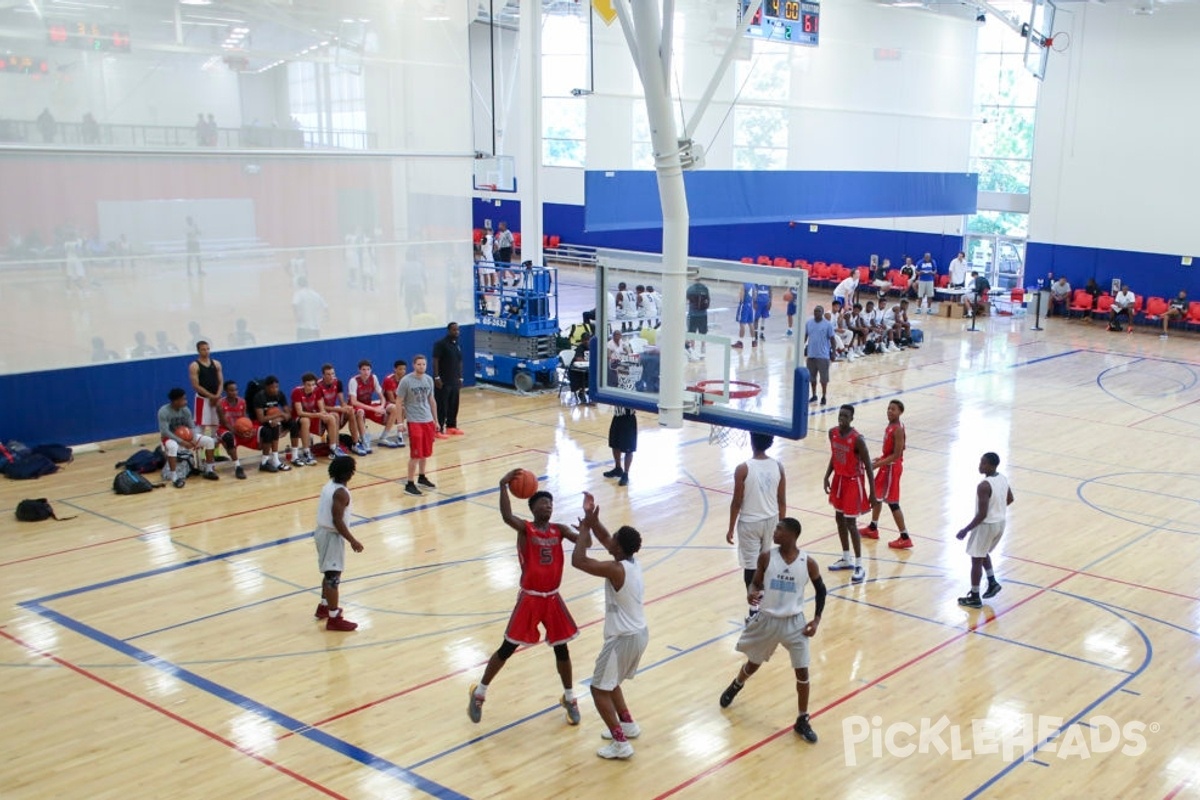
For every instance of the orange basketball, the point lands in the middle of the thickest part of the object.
(184, 432)
(524, 484)
(274, 412)
(243, 427)
(788, 297)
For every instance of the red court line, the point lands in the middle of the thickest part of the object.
(849, 695)
(310, 498)
(457, 672)
(1179, 787)
(1163, 413)
(1105, 578)
(173, 716)
(71, 549)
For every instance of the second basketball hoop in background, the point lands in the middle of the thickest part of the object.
(523, 484)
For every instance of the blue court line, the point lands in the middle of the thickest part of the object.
(340, 746)
(954, 626)
(131, 526)
(1132, 692)
(585, 682)
(955, 380)
(1039, 763)
(1028, 755)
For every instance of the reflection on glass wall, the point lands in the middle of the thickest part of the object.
(114, 257)
(154, 192)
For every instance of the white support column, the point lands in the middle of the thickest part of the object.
(529, 162)
(644, 30)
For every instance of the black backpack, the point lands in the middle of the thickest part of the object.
(58, 453)
(26, 467)
(36, 511)
(144, 461)
(130, 482)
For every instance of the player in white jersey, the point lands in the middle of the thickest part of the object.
(759, 501)
(330, 537)
(625, 631)
(993, 497)
(778, 590)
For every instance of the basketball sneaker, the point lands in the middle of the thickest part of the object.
(730, 692)
(867, 532)
(993, 589)
(624, 481)
(339, 623)
(859, 575)
(360, 449)
(901, 544)
(421, 479)
(804, 729)
(440, 435)
(474, 705)
(614, 749)
(267, 466)
(615, 472)
(572, 707)
(455, 431)
(841, 564)
(366, 442)
(970, 600)
(411, 488)
(338, 451)
(631, 729)
(390, 441)
(322, 611)
(239, 473)
(284, 466)
(179, 483)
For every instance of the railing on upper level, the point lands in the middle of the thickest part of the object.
(249, 136)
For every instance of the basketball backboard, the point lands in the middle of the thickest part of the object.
(1040, 30)
(731, 378)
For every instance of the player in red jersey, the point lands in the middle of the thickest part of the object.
(540, 550)
(306, 407)
(888, 468)
(231, 408)
(852, 490)
(364, 388)
(333, 400)
(391, 385)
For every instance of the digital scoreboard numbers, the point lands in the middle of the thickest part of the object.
(791, 21)
(88, 36)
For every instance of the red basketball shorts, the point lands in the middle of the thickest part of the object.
(887, 483)
(375, 413)
(420, 439)
(549, 612)
(849, 495)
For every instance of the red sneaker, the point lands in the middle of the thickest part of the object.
(901, 544)
(339, 623)
(869, 532)
(440, 435)
(455, 431)
(322, 612)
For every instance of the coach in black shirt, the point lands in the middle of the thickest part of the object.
(447, 380)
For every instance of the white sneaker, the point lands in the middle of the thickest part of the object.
(841, 564)
(632, 731)
(366, 442)
(616, 750)
(858, 576)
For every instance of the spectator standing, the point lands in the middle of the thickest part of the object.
(447, 380)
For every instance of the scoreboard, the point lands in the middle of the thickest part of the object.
(88, 36)
(789, 21)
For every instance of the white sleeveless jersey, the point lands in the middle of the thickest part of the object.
(325, 505)
(999, 499)
(783, 585)
(760, 494)
(623, 610)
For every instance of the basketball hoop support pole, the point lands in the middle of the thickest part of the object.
(642, 26)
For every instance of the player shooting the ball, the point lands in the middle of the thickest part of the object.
(540, 551)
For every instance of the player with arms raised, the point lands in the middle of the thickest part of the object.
(540, 550)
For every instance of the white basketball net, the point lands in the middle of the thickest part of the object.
(727, 437)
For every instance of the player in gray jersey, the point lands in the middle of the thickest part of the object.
(778, 591)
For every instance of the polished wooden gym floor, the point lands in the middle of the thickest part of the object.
(163, 645)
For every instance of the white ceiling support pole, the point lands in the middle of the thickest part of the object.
(529, 163)
(644, 29)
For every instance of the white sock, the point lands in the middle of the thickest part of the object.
(569, 694)
(846, 557)
(169, 475)
(334, 613)
(237, 462)
(481, 690)
(275, 459)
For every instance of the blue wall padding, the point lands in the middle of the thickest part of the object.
(121, 398)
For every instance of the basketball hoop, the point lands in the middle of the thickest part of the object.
(723, 435)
